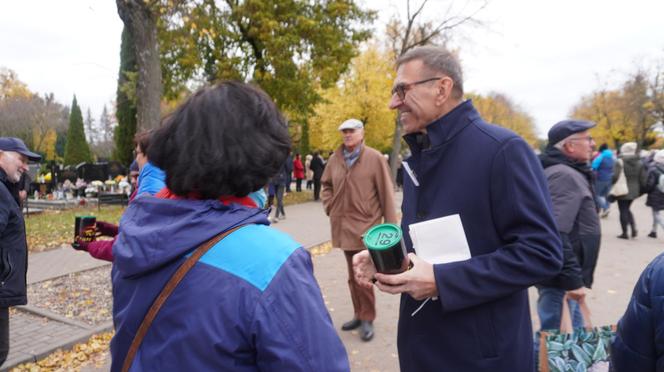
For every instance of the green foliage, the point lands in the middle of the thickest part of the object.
(76, 148)
(628, 113)
(363, 93)
(304, 144)
(287, 47)
(60, 144)
(499, 109)
(34, 118)
(126, 102)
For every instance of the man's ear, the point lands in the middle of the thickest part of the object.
(445, 86)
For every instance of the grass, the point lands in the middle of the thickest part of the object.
(51, 229)
(298, 197)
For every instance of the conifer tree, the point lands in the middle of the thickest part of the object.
(76, 149)
(126, 102)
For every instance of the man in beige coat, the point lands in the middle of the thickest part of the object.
(357, 194)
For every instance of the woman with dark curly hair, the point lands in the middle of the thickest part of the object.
(251, 302)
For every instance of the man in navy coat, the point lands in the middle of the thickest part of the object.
(491, 178)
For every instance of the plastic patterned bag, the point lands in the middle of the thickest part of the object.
(581, 350)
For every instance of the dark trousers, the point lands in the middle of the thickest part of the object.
(626, 216)
(280, 201)
(310, 184)
(4, 334)
(288, 183)
(298, 184)
(364, 301)
(316, 188)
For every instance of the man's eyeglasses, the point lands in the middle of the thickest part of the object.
(587, 138)
(401, 88)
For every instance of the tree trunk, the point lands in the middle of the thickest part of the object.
(141, 21)
(396, 149)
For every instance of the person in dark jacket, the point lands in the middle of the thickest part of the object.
(639, 342)
(635, 174)
(655, 199)
(603, 167)
(570, 180)
(251, 303)
(491, 179)
(278, 183)
(14, 157)
(317, 167)
(289, 173)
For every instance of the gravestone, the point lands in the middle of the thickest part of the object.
(92, 172)
(116, 168)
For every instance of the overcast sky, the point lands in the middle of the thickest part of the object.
(545, 55)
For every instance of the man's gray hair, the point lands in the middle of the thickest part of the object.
(561, 144)
(437, 59)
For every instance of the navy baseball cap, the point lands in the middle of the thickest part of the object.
(16, 145)
(566, 128)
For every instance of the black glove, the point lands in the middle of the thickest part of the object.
(80, 245)
(106, 228)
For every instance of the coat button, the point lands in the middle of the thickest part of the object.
(421, 214)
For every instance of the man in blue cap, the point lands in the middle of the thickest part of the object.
(570, 180)
(14, 157)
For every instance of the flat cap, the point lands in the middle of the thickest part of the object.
(17, 145)
(566, 128)
(351, 124)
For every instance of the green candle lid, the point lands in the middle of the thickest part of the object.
(382, 236)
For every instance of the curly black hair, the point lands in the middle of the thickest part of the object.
(226, 139)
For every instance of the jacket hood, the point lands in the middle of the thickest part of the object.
(154, 231)
(630, 159)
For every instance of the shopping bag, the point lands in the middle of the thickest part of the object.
(576, 350)
(620, 187)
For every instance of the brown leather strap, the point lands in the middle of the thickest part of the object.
(168, 289)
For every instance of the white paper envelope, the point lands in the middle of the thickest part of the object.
(440, 240)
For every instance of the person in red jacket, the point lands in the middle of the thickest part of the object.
(298, 172)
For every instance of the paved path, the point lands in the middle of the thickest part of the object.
(58, 262)
(620, 264)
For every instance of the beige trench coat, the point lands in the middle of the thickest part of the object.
(357, 198)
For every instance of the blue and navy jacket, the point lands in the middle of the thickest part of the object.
(492, 179)
(250, 304)
(151, 179)
(639, 342)
(603, 165)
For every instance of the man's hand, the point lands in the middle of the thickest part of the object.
(419, 282)
(577, 294)
(364, 269)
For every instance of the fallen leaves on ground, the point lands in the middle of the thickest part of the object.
(85, 295)
(321, 249)
(91, 351)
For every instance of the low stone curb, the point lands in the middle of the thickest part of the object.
(66, 343)
(80, 332)
(51, 315)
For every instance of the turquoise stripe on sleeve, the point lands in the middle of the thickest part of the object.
(254, 253)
